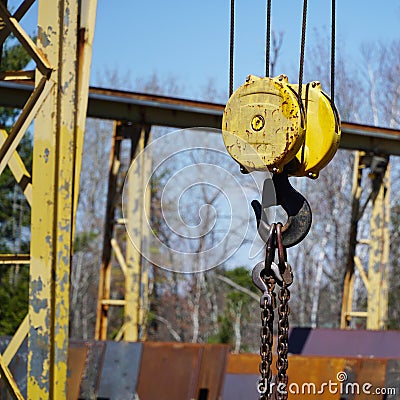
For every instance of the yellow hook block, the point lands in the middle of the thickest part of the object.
(263, 124)
(265, 127)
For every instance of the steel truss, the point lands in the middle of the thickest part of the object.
(375, 277)
(58, 103)
(133, 266)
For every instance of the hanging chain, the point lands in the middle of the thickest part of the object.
(267, 305)
(283, 317)
(265, 276)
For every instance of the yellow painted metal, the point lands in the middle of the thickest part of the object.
(133, 256)
(133, 266)
(43, 63)
(15, 259)
(322, 134)
(376, 281)
(113, 302)
(18, 169)
(348, 282)
(24, 120)
(361, 271)
(17, 75)
(52, 204)
(119, 256)
(263, 124)
(144, 286)
(16, 341)
(85, 37)
(379, 255)
(105, 270)
(265, 127)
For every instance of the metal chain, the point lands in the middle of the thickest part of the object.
(283, 317)
(283, 341)
(263, 278)
(267, 305)
(265, 275)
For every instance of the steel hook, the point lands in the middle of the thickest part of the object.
(295, 205)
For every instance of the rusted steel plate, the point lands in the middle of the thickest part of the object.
(312, 377)
(92, 371)
(240, 387)
(245, 363)
(169, 371)
(393, 378)
(212, 371)
(77, 353)
(350, 343)
(363, 378)
(120, 370)
(309, 376)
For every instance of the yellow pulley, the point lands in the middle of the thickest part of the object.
(263, 124)
(322, 133)
(265, 127)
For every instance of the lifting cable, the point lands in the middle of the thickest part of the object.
(268, 273)
(231, 47)
(333, 45)
(268, 46)
(302, 47)
(268, 39)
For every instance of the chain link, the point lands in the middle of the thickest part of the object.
(265, 278)
(267, 305)
(283, 341)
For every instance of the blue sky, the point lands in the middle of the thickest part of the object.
(189, 40)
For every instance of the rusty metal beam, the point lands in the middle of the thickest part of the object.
(109, 225)
(140, 108)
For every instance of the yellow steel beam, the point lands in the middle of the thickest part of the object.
(17, 167)
(42, 62)
(52, 205)
(24, 120)
(119, 256)
(15, 259)
(85, 42)
(134, 217)
(16, 341)
(144, 286)
(379, 255)
(105, 270)
(17, 75)
(348, 282)
(19, 13)
(361, 271)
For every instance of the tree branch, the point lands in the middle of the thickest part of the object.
(242, 289)
(171, 330)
